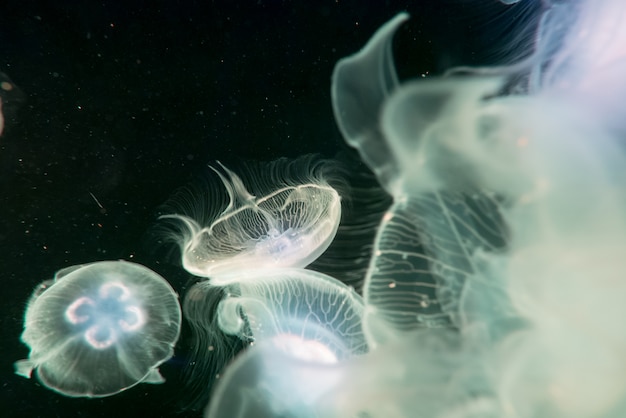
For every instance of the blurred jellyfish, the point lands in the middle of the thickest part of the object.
(11, 99)
(581, 46)
(266, 381)
(415, 282)
(98, 329)
(507, 221)
(289, 225)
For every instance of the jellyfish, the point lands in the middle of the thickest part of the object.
(101, 328)
(305, 316)
(288, 304)
(303, 325)
(302, 315)
(250, 254)
(502, 239)
(289, 225)
(415, 282)
(266, 381)
(11, 99)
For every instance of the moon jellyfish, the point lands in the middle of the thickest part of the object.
(303, 314)
(98, 329)
(252, 250)
(287, 304)
(266, 381)
(412, 282)
(289, 225)
(505, 229)
(299, 321)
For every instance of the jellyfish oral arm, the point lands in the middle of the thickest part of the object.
(107, 318)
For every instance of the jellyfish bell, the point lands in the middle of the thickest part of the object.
(303, 326)
(308, 313)
(266, 381)
(98, 329)
(304, 316)
(290, 222)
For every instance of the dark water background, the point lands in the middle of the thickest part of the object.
(120, 103)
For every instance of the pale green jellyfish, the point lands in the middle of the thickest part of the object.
(98, 329)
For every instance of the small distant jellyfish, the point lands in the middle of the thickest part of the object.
(1, 119)
(100, 328)
(11, 98)
(290, 224)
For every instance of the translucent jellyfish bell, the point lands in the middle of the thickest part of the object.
(288, 305)
(100, 328)
(303, 325)
(266, 381)
(289, 226)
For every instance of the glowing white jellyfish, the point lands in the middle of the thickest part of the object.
(290, 225)
(303, 324)
(100, 328)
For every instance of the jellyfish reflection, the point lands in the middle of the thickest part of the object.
(100, 328)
